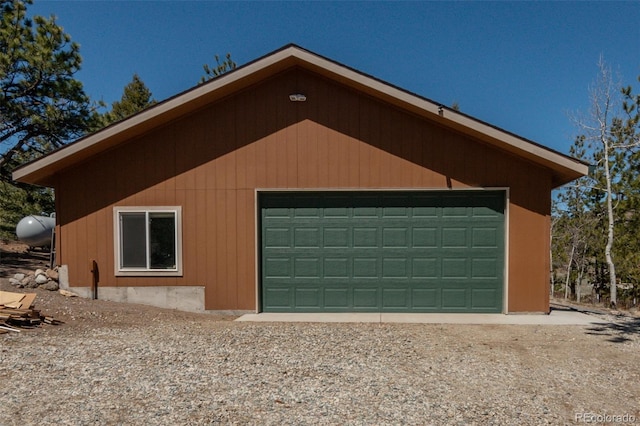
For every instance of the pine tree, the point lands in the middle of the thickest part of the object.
(135, 98)
(211, 71)
(42, 106)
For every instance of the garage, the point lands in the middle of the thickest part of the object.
(382, 251)
(299, 184)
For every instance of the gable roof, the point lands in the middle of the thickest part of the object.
(41, 171)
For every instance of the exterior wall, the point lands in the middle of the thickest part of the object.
(212, 162)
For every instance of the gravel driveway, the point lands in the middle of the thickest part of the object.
(127, 364)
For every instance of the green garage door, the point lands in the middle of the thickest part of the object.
(440, 251)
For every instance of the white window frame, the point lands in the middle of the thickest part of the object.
(147, 271)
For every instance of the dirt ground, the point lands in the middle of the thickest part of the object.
(77, 311)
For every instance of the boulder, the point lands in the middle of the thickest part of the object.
(51, 286)
(52, 274)
(41, 279)
(39, 272)
(19, 277)
(14, 281)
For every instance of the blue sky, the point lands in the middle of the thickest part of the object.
(521, 66)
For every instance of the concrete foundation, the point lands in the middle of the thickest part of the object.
(183, 298)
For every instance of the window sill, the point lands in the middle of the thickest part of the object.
(148, 273)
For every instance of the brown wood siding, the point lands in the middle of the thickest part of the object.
(212, 162)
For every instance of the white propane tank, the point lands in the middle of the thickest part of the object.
(35, 230)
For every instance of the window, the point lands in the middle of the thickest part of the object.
(148, 240)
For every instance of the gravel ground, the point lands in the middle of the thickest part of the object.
(113, 363)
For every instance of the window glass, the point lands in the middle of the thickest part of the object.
(133, 240)
(162, 241)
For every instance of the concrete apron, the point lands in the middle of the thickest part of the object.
(554, 318)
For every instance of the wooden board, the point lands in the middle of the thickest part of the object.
(28, 300)
(8, 298)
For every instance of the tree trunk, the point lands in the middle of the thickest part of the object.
(566, 282)
(579, 283)
(551, 279)
(607, 250)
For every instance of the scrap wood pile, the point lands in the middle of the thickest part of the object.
(16, 311)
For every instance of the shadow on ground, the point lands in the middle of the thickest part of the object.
(621, 331)
(13, 262)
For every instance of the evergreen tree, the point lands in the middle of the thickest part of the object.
(211, 71)
(42, 106)
(135, 98)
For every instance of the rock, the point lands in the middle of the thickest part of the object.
(19, 277)
(39, 272)
(15, 281)
(41, 279)
(51, 286)
(67, 293)
(30, 282)
(26, 280)
(52, 274)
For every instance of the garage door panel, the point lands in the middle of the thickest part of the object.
(306, 212)
(308, 268)
(383, 251)
(395, 237)
(481, 213)
(308, 237)
(278, 213)
(277, 238)
(484, 268)
(366, 297)
(454, 237)
(455, 212)
(336, 212)
(337, 298)
(484, 298)
(365, 212)
(336, 237)
(277, 267)
(365, 237)
(336, 267)
(277, 298)
(395, 212)
(425, 267)
(425, 298)
(455, 297)
(454, 267)
(307, 297)
(395, 267)
(424, 237)
(395, 297)
(365, 267)
(484, 237)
